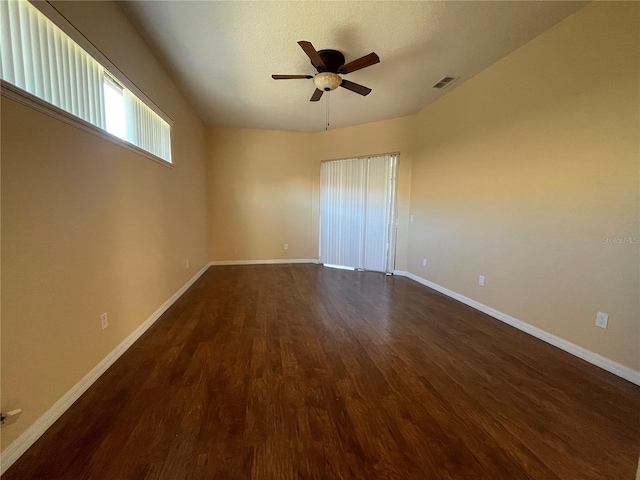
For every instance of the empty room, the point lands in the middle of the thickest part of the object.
(268, 240)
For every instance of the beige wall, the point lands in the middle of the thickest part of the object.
(261, 186)
(90, 227)
(517, 175)
(521, 172)
(264, 186)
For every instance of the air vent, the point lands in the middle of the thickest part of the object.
(445, 82)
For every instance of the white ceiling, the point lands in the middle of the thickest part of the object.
(222, 54)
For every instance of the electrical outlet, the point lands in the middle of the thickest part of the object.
(424, 262)
(481, 280)
(602, 319)
(286, 246)
(104, 320)
(186, 263)
(410, 218)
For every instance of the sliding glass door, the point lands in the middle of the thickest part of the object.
(357, 212)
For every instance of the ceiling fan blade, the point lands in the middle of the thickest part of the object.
(311, 52)
(360, 63)
(355, 87)
(289, 77)
(316, 95)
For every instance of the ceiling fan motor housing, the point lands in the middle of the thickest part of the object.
(332, 59)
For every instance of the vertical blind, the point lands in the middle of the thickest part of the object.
(41, 59)
(145, 128)
(377, 214)
(38, 57)
(341, 208)
(356, 212)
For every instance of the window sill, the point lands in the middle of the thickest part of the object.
(25, 98)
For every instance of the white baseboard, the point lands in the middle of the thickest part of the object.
(275, 261)
(35, 431)
(598, 360)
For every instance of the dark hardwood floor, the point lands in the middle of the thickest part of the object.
(304, 372)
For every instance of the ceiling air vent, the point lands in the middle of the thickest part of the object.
(445, 82)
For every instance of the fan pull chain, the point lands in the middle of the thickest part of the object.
(327, 104)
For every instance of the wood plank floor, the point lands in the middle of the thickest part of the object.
(303, 372)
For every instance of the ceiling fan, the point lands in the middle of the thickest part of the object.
(330, 63)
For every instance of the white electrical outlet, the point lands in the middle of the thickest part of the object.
(602, 319)
(286, 246)
(104, 320)
(411, 219)
(481, 280)
(424, 262)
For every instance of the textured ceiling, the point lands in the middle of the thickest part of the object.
(222, 54)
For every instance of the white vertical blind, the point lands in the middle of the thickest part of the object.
(356, 212)
(377, 213)
(342, 204)
(145, 128)
(41, 59)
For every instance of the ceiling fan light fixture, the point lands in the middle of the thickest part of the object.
(327, 81)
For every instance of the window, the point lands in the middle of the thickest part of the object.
(114, 108)
(39, 58)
